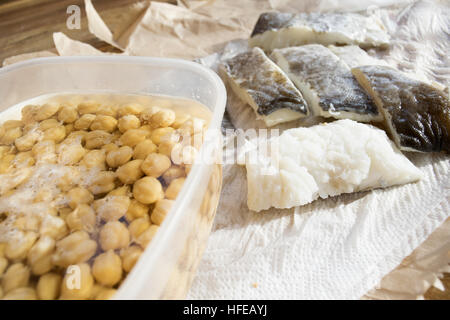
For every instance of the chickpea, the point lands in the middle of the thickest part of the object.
(88, 107)
(128, 122)
(148, 130)
(130, 172)
(48, 124)
(107, 268)
(183, 155)
(27, 141)
(162, 118)
(11, 124)
(84, 122)
(143, 149)
(94, 159)
(97, 138)
(48, 286)
(162, 208)
(147, 113)
(121, 191)
(116, 158)
(40, 255)
(192, 126)
(132, 137)
(44, 151)
(16, 276)
(26, 223)
(69, 128)
(174, 188)
(78, 196)
(166, 147)
(155, 164)
(24, 159)
(136, 210)
(103, 182)
(70, 153)
(4, 150)
(21, 294)
(11, 135)
(180, 118)
(111, 208)
(108, 111)
(114, 235)
(129, 257)
(105, 123)
(173, 173)
(138, 226)
(82, 218)
(68, 114)
(54, 227)
(148, 190)
(46, 111)
(146, 237)
(56, 134)
(17, 247)
(3, 265)
(161, 134)
(109, 147)
(69, 288)
(105, 294)
(73, 249)
(28, 113)
(6, 163)
(133, 109)
(69, 179)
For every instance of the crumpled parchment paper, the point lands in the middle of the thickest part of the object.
(340, 247)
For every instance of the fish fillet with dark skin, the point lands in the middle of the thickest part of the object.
(417, 114)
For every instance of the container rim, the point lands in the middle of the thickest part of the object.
(131, 286)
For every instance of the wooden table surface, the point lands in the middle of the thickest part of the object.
(28, 25)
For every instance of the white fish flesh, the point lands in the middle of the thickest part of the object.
(263, 85)
(325, 160)
(281, 30)
(326, 83)
(417, 114)
(354, 56)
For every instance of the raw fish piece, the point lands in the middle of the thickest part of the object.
(325, 160)
(354, 56)
(326, 83)
(281, 30)
(264, 86)
(417, 114)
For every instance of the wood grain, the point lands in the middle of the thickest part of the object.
(28, 25)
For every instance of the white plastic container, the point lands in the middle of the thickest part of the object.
(166, 268)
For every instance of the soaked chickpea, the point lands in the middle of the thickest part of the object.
(148, 190)
(143, 149)
(107, 268)
(48, 286)
(114, 235)
(84, 122)
(128, 122)
(132, 137)
(118, 157)
(130, 172)
(105, 123)
(67, 114)
(130, 256)
(162, 208)
(104, 200)
(174, 188)
(155, 164)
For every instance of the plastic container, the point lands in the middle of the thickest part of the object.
(166, 268)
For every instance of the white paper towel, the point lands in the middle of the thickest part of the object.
(338, 248)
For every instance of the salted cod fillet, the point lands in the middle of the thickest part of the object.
(326, 83)
(264, 86)
(416, 114)
(281, 30)
(325, 160)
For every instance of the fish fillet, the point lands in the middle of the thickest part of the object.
(326, 83)
(325, 160)
(417, 114)
(354, 56)
(281, 30)
(264, 86)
